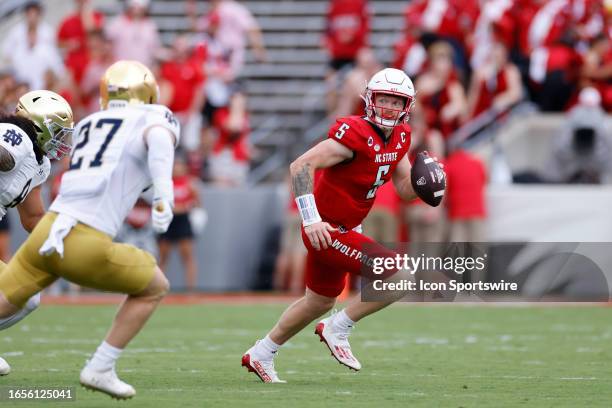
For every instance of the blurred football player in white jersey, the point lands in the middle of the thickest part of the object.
(39, 130)
(118, 152)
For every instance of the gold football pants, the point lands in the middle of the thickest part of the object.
(90, 259)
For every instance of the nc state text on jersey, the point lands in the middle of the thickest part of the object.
(385, 157)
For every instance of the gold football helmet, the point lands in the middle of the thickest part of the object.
(52, 118)
(129, 81)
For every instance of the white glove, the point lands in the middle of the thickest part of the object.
(198, 219)
(161, 216)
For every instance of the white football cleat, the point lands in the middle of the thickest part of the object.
(106, 382)
(337, 342)
(264, 369)
(5, 368)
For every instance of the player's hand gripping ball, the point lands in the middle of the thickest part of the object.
(428, 179)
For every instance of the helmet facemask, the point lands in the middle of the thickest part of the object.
(59, 143)
(372, 110)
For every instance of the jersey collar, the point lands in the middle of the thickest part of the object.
(117, 103)
(379, 132)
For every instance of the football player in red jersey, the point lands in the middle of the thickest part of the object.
(359, 155)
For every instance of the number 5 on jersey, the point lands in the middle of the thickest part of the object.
(382, 172)
(342, 130)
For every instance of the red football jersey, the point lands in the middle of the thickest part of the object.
(345, 192)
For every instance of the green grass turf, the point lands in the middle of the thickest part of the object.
(449, 356)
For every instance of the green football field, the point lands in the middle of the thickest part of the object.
(429, 356)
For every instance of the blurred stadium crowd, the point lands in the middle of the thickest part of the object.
(470, 61)
(197, 73)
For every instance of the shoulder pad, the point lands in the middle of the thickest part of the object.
(159, 115)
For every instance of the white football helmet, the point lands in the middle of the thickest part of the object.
(393, 82)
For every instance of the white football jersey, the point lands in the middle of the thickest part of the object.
(27, 173)
(108, 166)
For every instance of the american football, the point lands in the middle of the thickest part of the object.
(428, 179)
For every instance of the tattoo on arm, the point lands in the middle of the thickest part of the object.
(7, 162)
(302, 181)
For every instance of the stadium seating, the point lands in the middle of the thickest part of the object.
(290, 84)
